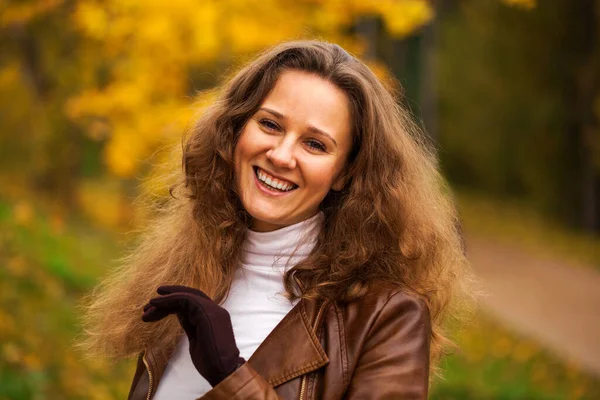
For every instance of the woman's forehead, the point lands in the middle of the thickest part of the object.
(306, 99)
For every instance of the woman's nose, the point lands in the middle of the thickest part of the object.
(282, 155)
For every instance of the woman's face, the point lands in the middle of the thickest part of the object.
(298, 141)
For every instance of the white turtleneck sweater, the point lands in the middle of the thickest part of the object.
(255, 302)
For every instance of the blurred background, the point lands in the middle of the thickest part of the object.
(94, 95)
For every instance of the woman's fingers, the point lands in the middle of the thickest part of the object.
(168, 289)
(176, 302)
(159, 307)
(179, 300)
(153, 314)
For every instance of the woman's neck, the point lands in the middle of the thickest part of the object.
(288, 244)
(257, 225)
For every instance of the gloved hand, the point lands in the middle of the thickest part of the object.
(207, 325)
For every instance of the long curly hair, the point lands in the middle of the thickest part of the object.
(394, 220)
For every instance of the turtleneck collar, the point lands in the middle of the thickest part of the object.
(289, 244)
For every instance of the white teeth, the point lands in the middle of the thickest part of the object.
(274, 183)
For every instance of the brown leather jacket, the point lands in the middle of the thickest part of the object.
(374, 348)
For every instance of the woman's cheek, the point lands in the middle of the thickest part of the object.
(322, 176)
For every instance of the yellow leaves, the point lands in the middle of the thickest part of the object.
(502, 347)
(7, 323)
(32, 362)
(204, 40)
(578, 391)
(539, 373)
(117, 100)
(98, 364)
(249, 27)
(17, 266)
(123, 153)
(98, 130)
(9, 73)
(23, 213)
(330, 16)
(74, 378)
(103, 203)
(15, 354)
(11, 353)
(91, 17)
(79, 377)
(132, 135)
(54, 289)
(402, 17)
(245, 35)
(151, 47)
(524, 351)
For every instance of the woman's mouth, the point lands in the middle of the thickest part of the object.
(272, 184)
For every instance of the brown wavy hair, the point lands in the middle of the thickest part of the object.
(393, 221)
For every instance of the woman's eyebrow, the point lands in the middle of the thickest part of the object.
(275, 113)
(311, 128)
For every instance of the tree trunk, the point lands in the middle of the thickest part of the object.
(588, 93)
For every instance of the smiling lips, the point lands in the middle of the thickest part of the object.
(274, 183)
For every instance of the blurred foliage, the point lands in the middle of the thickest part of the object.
(520, 103)
(47, 262)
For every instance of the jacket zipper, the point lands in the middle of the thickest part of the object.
(303, 387)
(149, 376)
(304, 377)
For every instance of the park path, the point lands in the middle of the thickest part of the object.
(556, 303)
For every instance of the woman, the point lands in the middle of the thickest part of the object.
(310, 250)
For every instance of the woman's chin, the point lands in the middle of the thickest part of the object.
(269, 220)
(260, 225)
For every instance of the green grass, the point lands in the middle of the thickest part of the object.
(77, 254)
(46, 265)
(494, 363)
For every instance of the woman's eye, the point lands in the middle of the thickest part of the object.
(270, 125)
(316, 145)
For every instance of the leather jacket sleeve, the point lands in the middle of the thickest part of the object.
(243, 384)
(393, 362)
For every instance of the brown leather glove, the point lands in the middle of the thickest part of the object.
(207, 325)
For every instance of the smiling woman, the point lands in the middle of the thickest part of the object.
(286, 143)
(309, 251)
